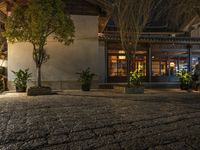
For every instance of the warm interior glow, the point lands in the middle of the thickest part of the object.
(172, 64)
(3, 63)
(114, 61)
(122, 57)
(122, 52)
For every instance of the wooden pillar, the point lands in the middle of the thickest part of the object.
(106, 62)
(178, 62)
(149, 63)
(189, 58)
(160, 66)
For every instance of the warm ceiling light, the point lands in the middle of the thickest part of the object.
(122, 57)
(172, 64)
(114, 61)
(122, 52)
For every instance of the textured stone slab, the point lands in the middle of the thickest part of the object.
(162, 120)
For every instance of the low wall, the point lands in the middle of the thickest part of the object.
(56, 85)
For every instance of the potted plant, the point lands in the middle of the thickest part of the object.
(21, 78)
(185, 79)
(135, 83)
(196, 77)
(86, 79)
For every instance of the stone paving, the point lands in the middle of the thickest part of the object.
(76, 120)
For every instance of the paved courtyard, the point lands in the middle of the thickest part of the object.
(164, 119)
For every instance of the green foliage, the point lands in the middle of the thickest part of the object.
(135, 78)
(35, 22)
(86, 76)
(184, 77)
(22, 76)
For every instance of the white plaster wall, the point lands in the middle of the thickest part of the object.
(103, 63)
(64, 61)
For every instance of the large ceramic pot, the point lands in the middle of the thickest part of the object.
(134, 90)
(86, 87)
(20, 89)
(184, 86)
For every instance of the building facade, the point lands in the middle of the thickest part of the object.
(158, 57)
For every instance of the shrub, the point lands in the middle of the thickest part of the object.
(185, 79)
(135, 78)
(21, 77)
(86, 76)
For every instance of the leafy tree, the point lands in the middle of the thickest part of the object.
(35, 22)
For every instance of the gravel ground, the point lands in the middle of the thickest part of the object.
(156, 120)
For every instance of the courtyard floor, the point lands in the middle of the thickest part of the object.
(159, 119)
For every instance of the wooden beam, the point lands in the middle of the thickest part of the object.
(103, 21)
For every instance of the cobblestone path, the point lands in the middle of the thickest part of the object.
(59, 122)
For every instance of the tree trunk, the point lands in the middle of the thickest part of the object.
(128, 72)
(128, 67)
(39, 84)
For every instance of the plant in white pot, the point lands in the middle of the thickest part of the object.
(135, 83)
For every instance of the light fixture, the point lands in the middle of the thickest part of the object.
(114, 61)
(172, 64)
(122, 57)
(122, 52)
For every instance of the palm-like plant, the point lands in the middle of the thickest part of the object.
(21, 78)
(185, 79)
(86, 78)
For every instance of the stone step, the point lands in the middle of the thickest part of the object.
(146, 84)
